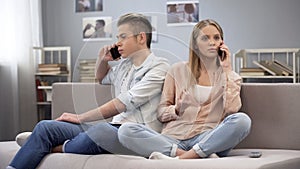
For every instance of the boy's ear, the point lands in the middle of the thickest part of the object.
(142, 38)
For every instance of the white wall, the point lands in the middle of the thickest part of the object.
(247, 24)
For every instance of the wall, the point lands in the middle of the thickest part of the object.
(247, 24)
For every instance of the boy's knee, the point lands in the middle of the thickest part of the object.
(43, 125)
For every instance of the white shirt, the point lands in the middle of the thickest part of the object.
(139, 88)
(202, 93)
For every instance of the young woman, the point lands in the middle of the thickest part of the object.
(199, 106)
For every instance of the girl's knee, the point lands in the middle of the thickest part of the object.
(243, 125)
(127, 129)
(244, 121)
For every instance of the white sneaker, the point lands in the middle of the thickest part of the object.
(158, 155)
(213, 155)
(21, 138)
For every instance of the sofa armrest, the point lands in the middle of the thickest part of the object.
(78, 97)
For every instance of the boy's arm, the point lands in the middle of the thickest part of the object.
(109, 109)
(102, 66)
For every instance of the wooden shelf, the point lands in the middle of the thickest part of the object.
(52, 65)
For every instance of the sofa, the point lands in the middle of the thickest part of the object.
(273, 107)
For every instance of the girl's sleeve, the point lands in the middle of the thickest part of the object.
(166, 109)
(232, 99)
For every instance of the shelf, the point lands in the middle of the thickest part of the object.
(43, 103)
(269, 77)
(52, 65)
(255, 58)
(45, 87)
(49, 74)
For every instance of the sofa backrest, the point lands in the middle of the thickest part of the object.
(273, 107)
(78, 97)
(275, 112)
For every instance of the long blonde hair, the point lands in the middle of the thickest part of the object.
(194, 58)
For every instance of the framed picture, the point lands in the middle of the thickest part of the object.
(97, 28)
(153, 21)
(182, 13)
(88, 5)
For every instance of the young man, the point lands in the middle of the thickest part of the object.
(99, 30)
(138, 81)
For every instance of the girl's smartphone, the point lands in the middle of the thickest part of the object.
(115, 53)
(221, 54)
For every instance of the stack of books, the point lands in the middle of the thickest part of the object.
(253, 72)
(52, 69)
(87, 70)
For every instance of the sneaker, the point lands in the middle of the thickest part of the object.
(158, 155)
(21, 138)
(213, 155)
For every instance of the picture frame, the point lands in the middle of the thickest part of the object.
(97, 28)
(88, 5)
(182, 13)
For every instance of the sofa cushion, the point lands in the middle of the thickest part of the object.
(237, 159)
(7, 151)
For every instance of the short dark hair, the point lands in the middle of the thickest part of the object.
(101, 21)
(139, 23)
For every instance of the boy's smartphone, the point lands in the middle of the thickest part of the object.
(221, 54)
(115, 53)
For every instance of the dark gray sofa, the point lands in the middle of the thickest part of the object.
(273, 107)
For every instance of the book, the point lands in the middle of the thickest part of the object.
(264, 67)
(270, 66)
(43, 65)
(47, 69)
(88, 79)
(52, 69)
(252, 72)
(277, 69)
(57, 72)
(87, 61)
(39, 93)
(284, 67)
(87, 70)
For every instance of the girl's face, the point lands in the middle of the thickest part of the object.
(208, 41)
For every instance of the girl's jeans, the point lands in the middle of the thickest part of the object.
(220, 140)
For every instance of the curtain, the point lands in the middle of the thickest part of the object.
(21, 29)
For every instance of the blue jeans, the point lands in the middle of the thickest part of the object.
(220, 140)
(81, 139)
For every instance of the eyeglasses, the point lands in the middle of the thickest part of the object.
(125, 36)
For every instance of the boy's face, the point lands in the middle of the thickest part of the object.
(127, 41)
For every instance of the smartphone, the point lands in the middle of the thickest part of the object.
(255, 154)
(221, 54)
(115, 53)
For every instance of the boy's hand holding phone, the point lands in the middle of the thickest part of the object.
(115, 53)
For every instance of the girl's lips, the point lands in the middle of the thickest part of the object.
(212, 50)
